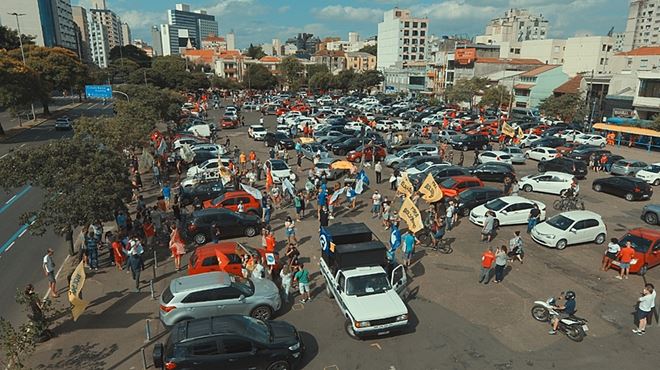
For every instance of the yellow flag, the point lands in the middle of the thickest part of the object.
(411, 215)
(508, 130)
(306, 140)
(405, 186)
(75, 288)
(520, 133)
(430, 190)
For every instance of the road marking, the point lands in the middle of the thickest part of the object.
(4, 155)
(22, 145)
(298, 307)
(21, 230)
(21, 234)
(15, 198)
(376, 345)
(10, 245)
(92, 106)
(331, 367)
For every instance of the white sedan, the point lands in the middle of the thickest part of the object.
(571, 227)
(279, 170)
(547, 182)
(527, 139)
(511, 210)
(595, 140)
(495, 156)
(650, 174)
(257, 132)
(569, 135)
(541, 153)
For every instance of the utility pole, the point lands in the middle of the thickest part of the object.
(20, 42)
(588, 100)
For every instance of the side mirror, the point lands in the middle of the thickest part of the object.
(338, 288)
(573, 230)
(241, 298)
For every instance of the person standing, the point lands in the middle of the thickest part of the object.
(49, 269)
(167, 194)
(487, 259)
(613, 249)
(290, 230)
(476, 157)
(302, 277)
(645, 304)
(286, 277)
(92, 248)
(450, 211)
(488, 230)
(516, 248)
(177, 247)
(625, 257)
(533, 218)
(409, 242)
(135, 264)
(324, 216)
(375, 204)
(500, 263)
(378, 168)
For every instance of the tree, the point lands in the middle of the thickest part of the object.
(18, 83)
(465, 90)
(255, 52)
(313, 69)
(165, 103)
(368, 79)
(567, 107)
(17, 344)
(132, 53)
(345, 80)
(495, 96)
(259, 77)
(224, 83)
(321, 81)
(292, 69)
(9, 39)
(169, 71)
(83, 181)
(371, 49)
(119, 71)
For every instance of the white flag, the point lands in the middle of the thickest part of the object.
(252, 191)
(289, 187)
(336, 195)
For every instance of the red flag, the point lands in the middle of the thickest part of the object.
(269, 180)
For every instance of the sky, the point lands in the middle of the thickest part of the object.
(259, 21)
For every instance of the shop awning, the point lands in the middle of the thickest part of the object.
(627, 130)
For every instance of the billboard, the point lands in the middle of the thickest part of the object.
(98, 91)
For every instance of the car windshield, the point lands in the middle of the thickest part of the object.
(278, 165)
(322, 165)
(461, 137)
(259, 129)
(218, 200)
(258, 330)
(448, 184)
(496, 204)
(515, 151)
(638, 243)
(423, 166)
(244, 285)
(560, 222)
(367, 284)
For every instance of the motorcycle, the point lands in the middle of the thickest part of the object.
(574, 327)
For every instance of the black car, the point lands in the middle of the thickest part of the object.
(343, 147)
(281, 138)
(232, 224)
(630, 188)
(475, 197)
(439, 174)
(334, 140)
(566, 165)
(470, 142)
(493, 171)
(230, 342)
(583, 154)
(203, 191)
(548, 142)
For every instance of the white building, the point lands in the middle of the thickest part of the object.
(549, 51)
(277, 47)
(642, 26)
(112, 23)
(231, 41)
(646, 101)
(49, 21)
(80, 19)
(125, 34)
(587, 54)
(401, 38)
(516, 26)
(98, 43)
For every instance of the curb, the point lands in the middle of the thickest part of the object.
(13, 132)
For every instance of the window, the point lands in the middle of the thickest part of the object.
(423, 24)
(210, 261)
(236, 345)
(201, 296)
(406, 24)
(204, 347)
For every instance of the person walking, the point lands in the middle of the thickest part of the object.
(516, 247)
(302, 277)
(409, 242)
(533, 218)
(286, 278)
(625, 257)
(500, 263)
(613, 249)
(378, 168)
(135, 264)
(488, 229)
(177, 247)
(167, 194)
(92, 249)
(487, 259)
(49, 269)
(645, 304)
(290, 230)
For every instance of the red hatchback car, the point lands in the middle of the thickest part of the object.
(357, 154)
(229, 123)
(455, 185)
(646, 243)
(231, 199)
(224, 256)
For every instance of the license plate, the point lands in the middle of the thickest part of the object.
(585, 328)
(384, 332)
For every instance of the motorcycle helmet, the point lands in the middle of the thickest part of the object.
(569, 295)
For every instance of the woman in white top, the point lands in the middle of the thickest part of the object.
(611, 253)
(286, 276)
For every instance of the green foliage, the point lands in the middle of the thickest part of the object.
(132, 53)
(170, 72)
(83, 182)
(494, 96)
(321, 81)
(368, 79)
(345, 80)
(371, 49)
(292, 69)
(224, 83)
(255, 52)
(313, 69)
(16, 344)
(165, 103)
(435, 102)
(567, 107)
(9, 39)
(18, 83)
(259, 77)
(119, 71)
(465, 90)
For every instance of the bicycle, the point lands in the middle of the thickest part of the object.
(568, 204)
(426, 240)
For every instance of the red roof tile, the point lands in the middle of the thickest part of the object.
(523, 86)
(643, 51)
(571, 86)
(537, 71)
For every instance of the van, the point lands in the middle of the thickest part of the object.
(524, 113)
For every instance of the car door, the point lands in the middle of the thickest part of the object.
(200, 304)
(612, 185)
(541, 183)
(653, 258)
(506, 215)
(202, 354)
(209, 263)
(399, 280)
(230, 204)
(229, 225)
(227, 301)
(240, 354)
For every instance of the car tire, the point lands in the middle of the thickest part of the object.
(541, 168)
(348, 327)
(465, 148)
(262, 313)
(561, 244)
(602, 145)
(651, 218)
(630, 197)
(656, 182)
(527, 188)
(465, 212)
(598, 188)
(484, 147)
(526, 155)
(200, 238)
(600, 239)
(250, 231)
(279, 365)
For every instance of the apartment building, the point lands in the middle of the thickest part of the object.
(79, 15)
(548, 51)
(516, 26)
(49, 21)
(401, 38)
(112, 23)
(531, 87)
(587, 54)
(184, 28)
(98, 43)
(334, 60)
(643, 24)
(360, 61)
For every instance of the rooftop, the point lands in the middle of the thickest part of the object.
(537, 71)
(643, 51)
(519, 61)
(522, 86)
(571, 86)
(270, 59)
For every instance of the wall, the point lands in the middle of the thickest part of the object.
(586, 54)
(550, 51)
(545, 84)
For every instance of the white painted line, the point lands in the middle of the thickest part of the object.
(56, 275)
(10, 245)
(12, 198)
(21, 234)
(22, 145)
(4, 155)
(92, 106)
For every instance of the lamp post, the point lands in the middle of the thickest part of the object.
(20, 42)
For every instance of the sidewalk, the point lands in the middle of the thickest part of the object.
(55, 113)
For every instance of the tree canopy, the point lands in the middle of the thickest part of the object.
(495, 96)
(567, 107)
(9, 39)
(465, 90)
(132, 53)
(292, 69)
(371, 49)
(259, 77)
(255, 52)
(18, 83)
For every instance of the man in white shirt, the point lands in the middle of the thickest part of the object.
(49, 269)
(645, 304)
(376, 202)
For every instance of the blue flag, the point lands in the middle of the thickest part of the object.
(363, 176)
(327, 246)
(395, 238)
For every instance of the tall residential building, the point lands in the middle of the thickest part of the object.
(516, 26)
(80, 19)
(642, 25)
(99, 4)
(185, 28)
(231, 41)
(156, 41)
(401, 38)
(125, 34)
(98, 43)
(277, 47)
(112, 23)
(49, 21)
(549, 51)
(587, 54)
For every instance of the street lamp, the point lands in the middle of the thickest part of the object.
(20, 42)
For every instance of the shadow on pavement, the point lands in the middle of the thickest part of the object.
(311, 348)
(80, 356)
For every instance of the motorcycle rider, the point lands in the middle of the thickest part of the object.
(567, 310)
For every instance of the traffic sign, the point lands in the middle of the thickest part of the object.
(98, 91)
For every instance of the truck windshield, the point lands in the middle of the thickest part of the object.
(367, 285)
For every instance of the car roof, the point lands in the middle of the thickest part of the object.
(192, 283)
(210, 211)
(465, 178)
(211, 248)
(516, 199)
(580, 215)
(496, 152)
(257, 126)
(194, 329)
(482, 189)
(555, 173)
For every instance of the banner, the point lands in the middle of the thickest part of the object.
(289, 187)
(75, 288)
(411, 215)
(186, 153)
(336, 195)
(520, 133)
(306, 140)
(508, 130)
(252, 191)
(430, 190)
(395, 238)
(405, 186)
(325, 239)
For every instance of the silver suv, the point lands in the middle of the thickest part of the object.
(217, 293)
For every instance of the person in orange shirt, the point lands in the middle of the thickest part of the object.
(625, 258)
(253, 158)
(487, 259)
(149, 231)
(270, 242)
(118, 251)
(242, 160)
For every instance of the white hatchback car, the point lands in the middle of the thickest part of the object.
(541, 153)
(547, 182)
(257, 132)
(650, 174)
(571, 227)
(511, 210)
(595, 140)
(527, 139)
(495, 156)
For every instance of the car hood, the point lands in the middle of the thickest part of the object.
(376, 306)
(281, 173)
(543, 229)
(284, 334)
(264, 288)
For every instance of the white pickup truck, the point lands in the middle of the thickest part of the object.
(358, 276)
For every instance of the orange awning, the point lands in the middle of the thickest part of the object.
(627, 129)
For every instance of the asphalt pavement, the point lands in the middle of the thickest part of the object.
(21, 252)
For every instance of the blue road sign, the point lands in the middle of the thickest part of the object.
(98, 91)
